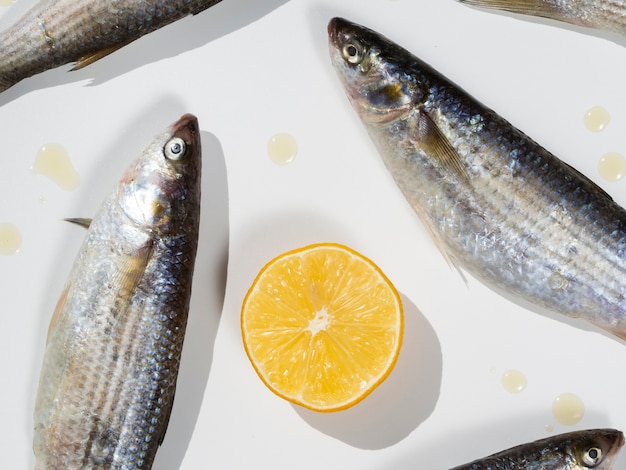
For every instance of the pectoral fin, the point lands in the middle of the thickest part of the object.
(432, 141)
(128, 274)
(58, 310)
(524, 7)
(204, 7)
(89, 59)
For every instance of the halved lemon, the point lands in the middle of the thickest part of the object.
(322, 326)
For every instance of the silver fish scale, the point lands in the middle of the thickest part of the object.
(605, 15)
(109, 372)
(497, 204)
(59, 32)
(548, 220)
(569, 451)
(137, 349)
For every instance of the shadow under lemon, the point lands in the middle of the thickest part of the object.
(398, 405)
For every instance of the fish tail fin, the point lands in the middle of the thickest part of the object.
(543, 8)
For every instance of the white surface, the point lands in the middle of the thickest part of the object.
(249, 69)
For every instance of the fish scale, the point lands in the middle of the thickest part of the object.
(114, 345)
(603, 15)
(497, 204)
(59, 32)
(577, 450)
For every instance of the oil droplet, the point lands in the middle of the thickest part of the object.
(549, 428)
(53, 161)
(6, 3)
(557, 281)
(568, 409)
(282, 148)
(10, 239)
(596, 118)
(514, 381)
(612, 166)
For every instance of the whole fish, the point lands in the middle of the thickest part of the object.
(497, 203)
(59, 32)
(578, 450)
(603, 15)
(114, 343)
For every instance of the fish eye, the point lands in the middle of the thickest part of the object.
(175, 148)
(353, 52)
(592, 456)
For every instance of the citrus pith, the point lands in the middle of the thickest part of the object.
(322, 326)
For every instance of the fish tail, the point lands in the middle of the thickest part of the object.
(544, 8)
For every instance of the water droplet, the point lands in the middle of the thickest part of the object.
(10, 239)
(549, 428)
(596, 118)
(282, 148)
(557, 281)
(514, 381)
(612, 166)
(53, 161)
(568, 409)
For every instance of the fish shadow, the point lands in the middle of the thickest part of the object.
(174, 39)
(207, 302)
(401, 403)
(576, 322)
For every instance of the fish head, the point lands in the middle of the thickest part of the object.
(161, 188)
(594, 449)
(373, 71)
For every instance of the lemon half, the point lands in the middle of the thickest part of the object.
(322, 326)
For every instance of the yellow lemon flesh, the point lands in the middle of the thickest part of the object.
(322, 326)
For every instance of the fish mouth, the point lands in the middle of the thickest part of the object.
(187, 128)
(337, 30)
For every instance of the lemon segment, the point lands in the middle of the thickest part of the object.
(322, 326)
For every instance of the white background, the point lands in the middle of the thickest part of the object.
(249, 69)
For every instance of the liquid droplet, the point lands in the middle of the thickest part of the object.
(514, 381)
(6, 3)
(282, 148)
(612, 166)
(53, 161)
(10, 239)
(568, 409)
(549, 428)
(557, 281)
(596, 118)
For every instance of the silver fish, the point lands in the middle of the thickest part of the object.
(603, 15)
(114, 343)
(578, 450)
(59, 32)
(496, 203)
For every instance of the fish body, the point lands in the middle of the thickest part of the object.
(58, 32)
(114, 343)
(603, 15)
(578, 450)
(496, 203)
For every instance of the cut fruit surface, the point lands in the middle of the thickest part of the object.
(322, 326)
